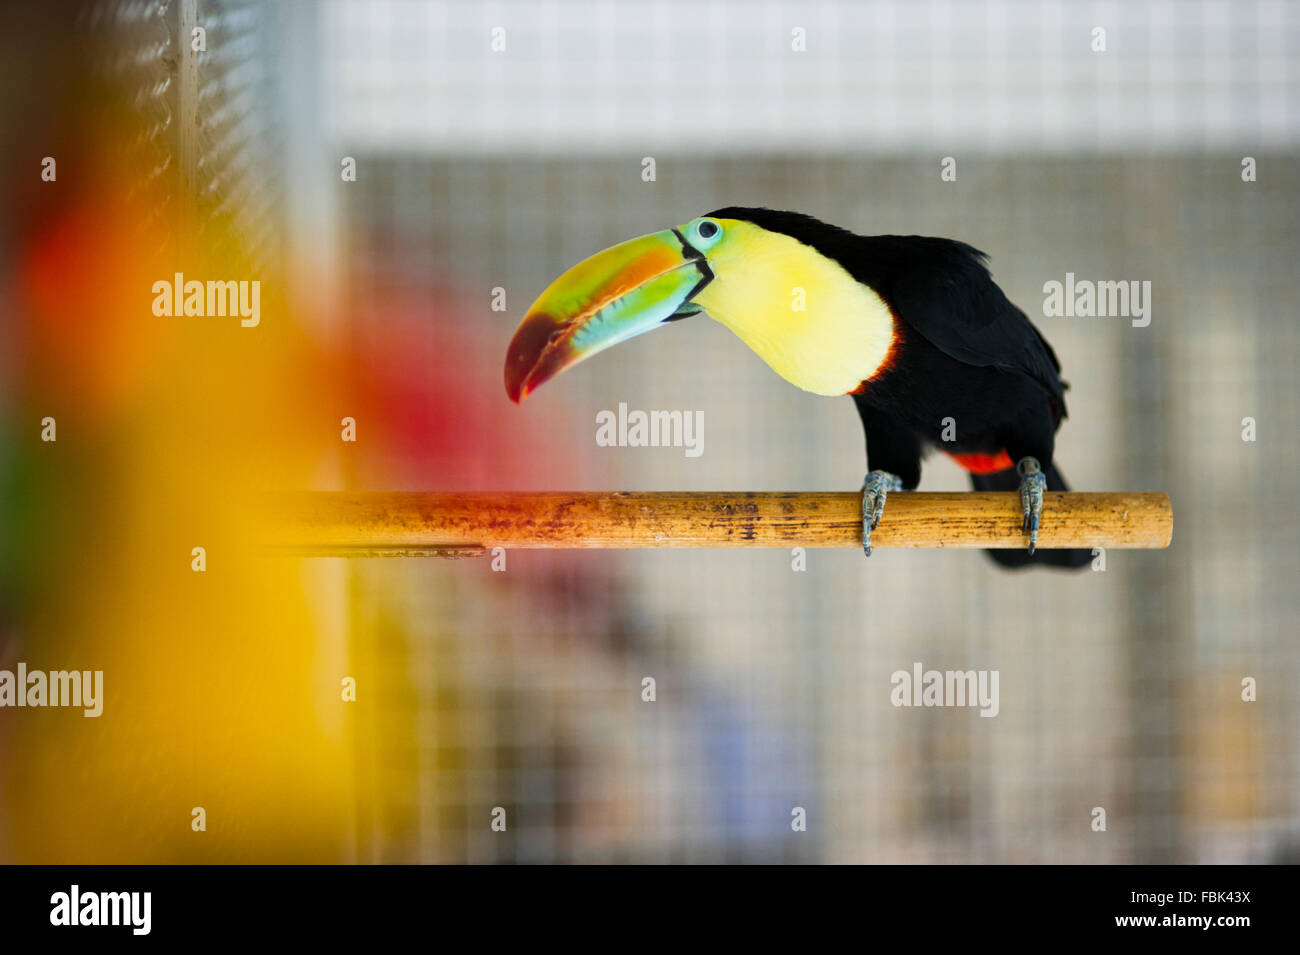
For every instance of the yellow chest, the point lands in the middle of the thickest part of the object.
(801, 312)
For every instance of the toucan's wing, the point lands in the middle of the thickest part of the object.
(942, 289)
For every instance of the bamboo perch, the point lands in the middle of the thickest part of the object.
(375, 524)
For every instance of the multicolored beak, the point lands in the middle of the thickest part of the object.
(615, 295)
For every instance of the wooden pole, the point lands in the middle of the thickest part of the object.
(331, 523)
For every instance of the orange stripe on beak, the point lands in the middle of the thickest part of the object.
(615, 295)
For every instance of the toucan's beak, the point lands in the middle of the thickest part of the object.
(606, 299)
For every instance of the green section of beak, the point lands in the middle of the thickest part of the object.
(615, 295)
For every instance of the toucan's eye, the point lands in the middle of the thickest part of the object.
(707, 229)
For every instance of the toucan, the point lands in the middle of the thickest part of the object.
(913, 328)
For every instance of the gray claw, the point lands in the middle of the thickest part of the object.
(875, 488)
(1032, 484)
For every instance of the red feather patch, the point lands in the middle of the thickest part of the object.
(977, 462)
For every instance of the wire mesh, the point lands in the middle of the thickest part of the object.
(522, 690)
(141, 51)
(136, 55)
(1120, 688)
(238, 176)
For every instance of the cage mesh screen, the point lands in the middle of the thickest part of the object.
(1120, 689)
(137, 55)
(237, 177)
(521, 690)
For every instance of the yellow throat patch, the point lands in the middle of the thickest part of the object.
(816, 326)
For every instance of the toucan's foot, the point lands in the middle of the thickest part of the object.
(1032, 484)
(875, 488)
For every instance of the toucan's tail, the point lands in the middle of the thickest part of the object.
(1009, 480)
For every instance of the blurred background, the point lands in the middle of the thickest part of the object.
(495, 145)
